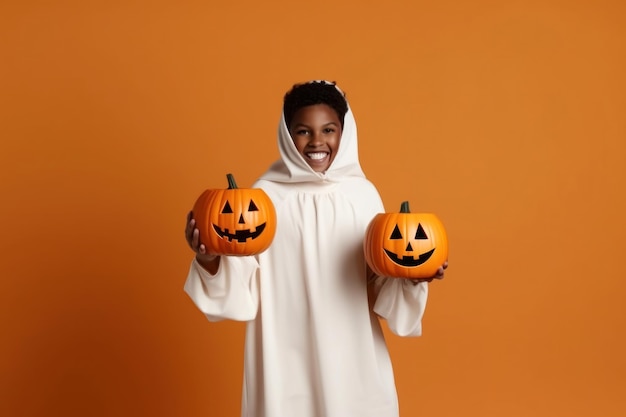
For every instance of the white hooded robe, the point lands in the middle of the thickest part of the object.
(314, 345)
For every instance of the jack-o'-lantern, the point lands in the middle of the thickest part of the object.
(406, 245)
(235, 221)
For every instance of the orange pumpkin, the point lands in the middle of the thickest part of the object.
(235, 221)
(406, 245)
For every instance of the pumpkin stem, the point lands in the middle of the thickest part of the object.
(404, 207)
(231, 181)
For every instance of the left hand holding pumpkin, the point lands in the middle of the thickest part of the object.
(438, 275)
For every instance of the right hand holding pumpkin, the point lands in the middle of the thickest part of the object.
(192, 235)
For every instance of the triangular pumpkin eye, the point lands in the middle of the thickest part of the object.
(396, 233)
(420, 234)
(227, 208)
(253, 206)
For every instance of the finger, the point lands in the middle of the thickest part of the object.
(202, 249)
(189, 218)
(195, 240)
(189, 237)
(440, 273)
(191, 228)
(191, 222)
(445, 264)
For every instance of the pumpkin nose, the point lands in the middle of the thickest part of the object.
(409, 248)
(241, 221)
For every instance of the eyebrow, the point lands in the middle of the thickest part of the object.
(307, 126)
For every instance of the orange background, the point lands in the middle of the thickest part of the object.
(506, 118)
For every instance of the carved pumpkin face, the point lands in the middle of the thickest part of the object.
(405, 244)
(235, 221)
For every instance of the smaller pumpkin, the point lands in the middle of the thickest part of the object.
(406, 245)
(235, 221)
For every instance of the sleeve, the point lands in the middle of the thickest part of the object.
(401, 303)
(232, 293)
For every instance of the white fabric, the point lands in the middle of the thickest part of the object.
(292, 168)
(314, 345)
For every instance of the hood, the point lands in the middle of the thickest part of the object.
(292, 168)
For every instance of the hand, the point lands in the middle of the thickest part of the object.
(438, 275)
(192, 235)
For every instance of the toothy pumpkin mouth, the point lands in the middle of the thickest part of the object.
(240, 235)
(409, 261)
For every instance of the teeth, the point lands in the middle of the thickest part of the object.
(317, 155)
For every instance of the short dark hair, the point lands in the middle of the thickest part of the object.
(311, 93)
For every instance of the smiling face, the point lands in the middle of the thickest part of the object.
(316, 132)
